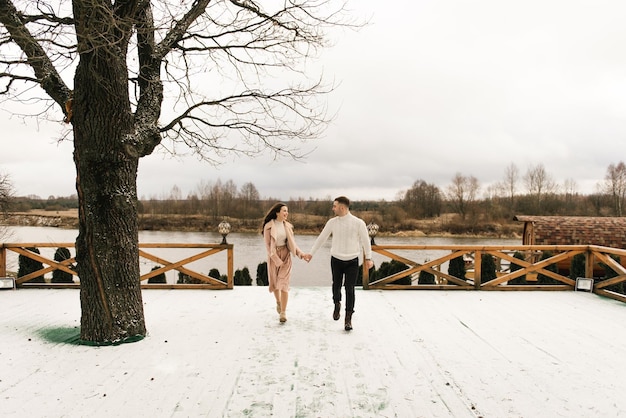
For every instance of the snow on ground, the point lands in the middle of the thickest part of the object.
(411, 354)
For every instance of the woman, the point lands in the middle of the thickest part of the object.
(280, 245)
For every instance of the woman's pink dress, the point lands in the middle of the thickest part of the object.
(279, 276)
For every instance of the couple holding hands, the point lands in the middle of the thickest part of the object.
(349, 240)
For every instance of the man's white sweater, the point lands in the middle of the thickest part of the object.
(350, 238)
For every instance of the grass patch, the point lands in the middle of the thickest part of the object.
(61, 335)
(71, 335)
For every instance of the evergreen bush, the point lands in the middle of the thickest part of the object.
(242, 277)
(159, 278)
(609, 274)
(456, 267)
(262, 278)
(542, 278)
(215, 273)
(487, 268)
(386, 269)
(184, 278)
(426, 277)
(28, 265)
(577, 266)
(60, 276)
(514, 267)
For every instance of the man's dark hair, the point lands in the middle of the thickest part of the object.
(343, 200)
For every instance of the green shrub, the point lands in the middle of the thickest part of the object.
(456, 267)
(261, 275)
(542, 278)
(577, 266)
(386, 269)
(159, 278)
(28, 265)
(514, 267)
(609, 274)
(60, 276)
(215, 273)
(242, 277)
(487, 268)
(426, 277)
(359, 277)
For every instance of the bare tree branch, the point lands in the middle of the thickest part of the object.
(44, 70)
(180, 28)
(241, 41)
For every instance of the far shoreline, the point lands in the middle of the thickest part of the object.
(68, 219)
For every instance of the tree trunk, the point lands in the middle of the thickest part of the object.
(107, 250)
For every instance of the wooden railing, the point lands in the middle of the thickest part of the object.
(529, 267)
(597, 259)
(206, 282)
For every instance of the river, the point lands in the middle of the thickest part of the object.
(248, 252)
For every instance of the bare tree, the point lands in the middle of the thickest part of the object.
(511, 178)
(250, 198)
(130, 75)
(203, 189)
(615, 186)
(539, 183)
(6, 192)
(462, 193)
(570, 187)
(570, 190)
(6, 195)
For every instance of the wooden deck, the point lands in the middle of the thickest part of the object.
(411, 354)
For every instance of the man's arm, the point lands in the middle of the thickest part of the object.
(365, 244)
(323, 236)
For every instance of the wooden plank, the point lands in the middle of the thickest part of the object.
(179, 267)
(610, 262)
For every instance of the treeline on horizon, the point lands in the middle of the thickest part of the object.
(463, 198)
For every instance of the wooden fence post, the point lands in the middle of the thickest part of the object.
(231, 269)
(589, 258)
(478, 263)
(3, 261)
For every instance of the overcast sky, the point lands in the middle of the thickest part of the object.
(426, 90)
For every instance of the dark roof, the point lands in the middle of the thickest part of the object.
(573, 230)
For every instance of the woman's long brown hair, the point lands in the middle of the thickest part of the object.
(272, 214)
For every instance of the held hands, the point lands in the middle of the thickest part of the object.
(308, 257)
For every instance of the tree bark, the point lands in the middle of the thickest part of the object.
(107, 249)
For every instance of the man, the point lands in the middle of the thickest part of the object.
(349, 240)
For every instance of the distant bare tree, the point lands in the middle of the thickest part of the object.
(511, 178)
(615, 186)
(203, 189)
(249, 198)
(462, 193)
(570, 187)
(570, 190)
(6, 194)
(213, 77)
(228, 196)
(538, 184)
(221, 198)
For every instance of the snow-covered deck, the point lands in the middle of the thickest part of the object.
(411, 354)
